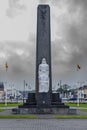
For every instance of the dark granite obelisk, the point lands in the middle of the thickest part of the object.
(43, 50)
(43, 100)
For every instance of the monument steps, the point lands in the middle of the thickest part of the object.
(57, 103)
(53, 105)
(27, 106)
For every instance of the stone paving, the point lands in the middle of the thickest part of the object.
(43, 124)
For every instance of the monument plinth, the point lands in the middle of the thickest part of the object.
(43, 100)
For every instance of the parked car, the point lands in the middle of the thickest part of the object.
(74, 99)
(84, 100)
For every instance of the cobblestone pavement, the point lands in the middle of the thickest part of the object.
(43, 124)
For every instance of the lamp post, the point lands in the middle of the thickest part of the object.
(12, 85)
(78, 94)
(5, 84)
(24, 92)
(78, 68)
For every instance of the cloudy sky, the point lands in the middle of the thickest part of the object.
(18, 40)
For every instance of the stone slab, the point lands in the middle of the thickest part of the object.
(60, 111)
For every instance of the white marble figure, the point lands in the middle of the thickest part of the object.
(43, 76)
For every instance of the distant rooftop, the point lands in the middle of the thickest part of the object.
(83, 87)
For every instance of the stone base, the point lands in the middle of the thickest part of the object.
(60, 111)
(43, 104)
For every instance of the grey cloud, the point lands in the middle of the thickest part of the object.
(21, 65)
(73, 32)
(44, 1)
(16, 4)
(72, 27)
(60, 57)
(72, 3)
(79, 45)
(78, 3)
(15, 8)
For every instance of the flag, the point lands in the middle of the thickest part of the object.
(78, 66)
(6, 66)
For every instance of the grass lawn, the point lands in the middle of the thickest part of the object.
(10, 104)
(36, 117)
(18, 116)
(83, 106)
(75, 104)
(1, 110)
(84, 110)
(70, 117)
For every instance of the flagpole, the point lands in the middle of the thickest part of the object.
(78, 68)
(6, 66)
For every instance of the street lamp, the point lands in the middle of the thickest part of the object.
(78, 93)
(5, 83)
(25, 84)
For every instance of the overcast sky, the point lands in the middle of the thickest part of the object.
(18, 40)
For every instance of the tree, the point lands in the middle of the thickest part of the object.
(63, 89)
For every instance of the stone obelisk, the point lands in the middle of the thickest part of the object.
(43, 100)
(43, 50)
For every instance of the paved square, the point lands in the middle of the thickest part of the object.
(43, 124)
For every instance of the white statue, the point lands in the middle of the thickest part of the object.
(43, 76)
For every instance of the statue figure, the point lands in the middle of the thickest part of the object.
(43, 76)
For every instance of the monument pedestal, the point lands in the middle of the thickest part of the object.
(43, 104)
(43, 100)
